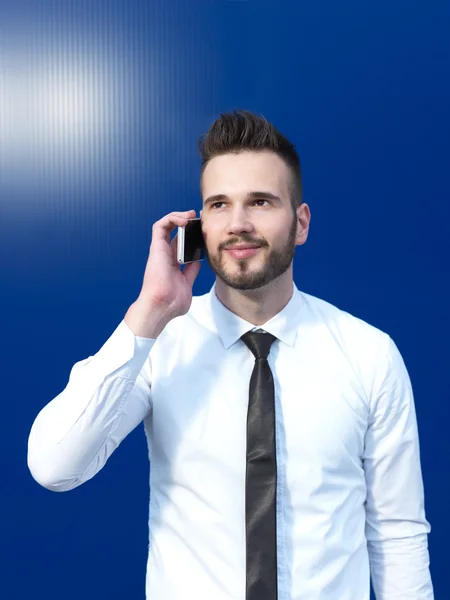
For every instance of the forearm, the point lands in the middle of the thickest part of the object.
(400, 568)
(106, 397)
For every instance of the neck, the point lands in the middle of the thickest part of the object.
(257, 306)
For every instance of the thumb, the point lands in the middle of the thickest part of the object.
(191, 271)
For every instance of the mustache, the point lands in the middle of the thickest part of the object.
(243, 239)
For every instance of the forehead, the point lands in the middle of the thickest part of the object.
(237, 174)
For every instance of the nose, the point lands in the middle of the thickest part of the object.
(239, 222)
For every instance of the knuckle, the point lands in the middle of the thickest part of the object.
(172, 218)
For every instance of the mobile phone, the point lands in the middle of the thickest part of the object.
(191, 243)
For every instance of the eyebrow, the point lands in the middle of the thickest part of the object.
(251, 195)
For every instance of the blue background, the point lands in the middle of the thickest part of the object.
(101, 104)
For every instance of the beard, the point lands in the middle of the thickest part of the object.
(245, 277)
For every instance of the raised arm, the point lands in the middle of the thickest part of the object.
(109, 394)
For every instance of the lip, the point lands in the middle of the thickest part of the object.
(242, 251)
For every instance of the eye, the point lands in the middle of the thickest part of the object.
(254, 202)
(217, 204)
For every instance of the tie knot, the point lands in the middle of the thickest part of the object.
(259, 343)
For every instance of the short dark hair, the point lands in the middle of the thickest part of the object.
(242, 130)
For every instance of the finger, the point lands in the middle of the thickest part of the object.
(170, 220)
(164, 227)
(174, 247)
(191, 271)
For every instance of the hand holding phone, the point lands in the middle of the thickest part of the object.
(166, 290)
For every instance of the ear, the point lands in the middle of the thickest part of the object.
(303, 220)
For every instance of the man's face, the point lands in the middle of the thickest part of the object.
(249, 225)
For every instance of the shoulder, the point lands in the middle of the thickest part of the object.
(331, 313)
(358, 339)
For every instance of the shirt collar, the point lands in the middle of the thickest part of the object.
(231, 327)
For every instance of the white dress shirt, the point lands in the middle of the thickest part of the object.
(350, 498)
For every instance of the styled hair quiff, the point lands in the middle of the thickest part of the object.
(242, 130)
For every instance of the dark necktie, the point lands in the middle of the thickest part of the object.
(261, 475)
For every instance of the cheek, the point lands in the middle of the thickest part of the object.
(210, 239)
(212, 233)
(206, 234)
(274, 233)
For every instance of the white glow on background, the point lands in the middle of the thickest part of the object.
(65, 109)
(66, 114)
(6, 116)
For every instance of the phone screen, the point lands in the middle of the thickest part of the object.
(194, 243)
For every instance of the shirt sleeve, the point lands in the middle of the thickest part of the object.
(106, 397)
(396, 527)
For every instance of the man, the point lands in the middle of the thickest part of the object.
(281, 429)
